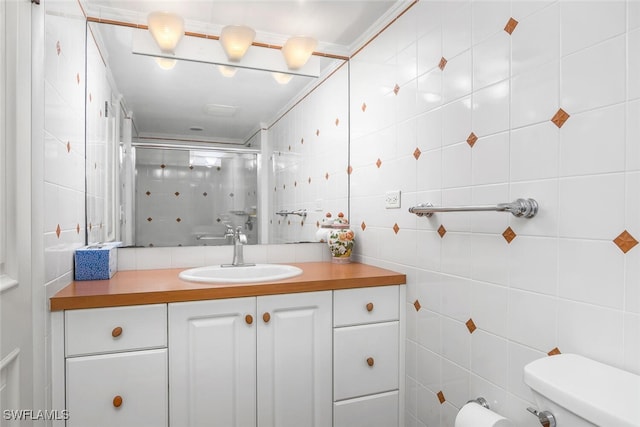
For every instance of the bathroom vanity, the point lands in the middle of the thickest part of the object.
(145, 348)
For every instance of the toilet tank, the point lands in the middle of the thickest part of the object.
(601, 394)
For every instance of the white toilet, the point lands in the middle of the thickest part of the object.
(582, 392)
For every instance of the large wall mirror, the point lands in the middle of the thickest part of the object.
(178, 154)
(181, 148)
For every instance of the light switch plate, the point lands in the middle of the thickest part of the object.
(392, 199)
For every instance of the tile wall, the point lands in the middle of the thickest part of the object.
(478, 102)
(177, 201)
(310, 158)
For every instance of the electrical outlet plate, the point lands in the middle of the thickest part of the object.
(392, 199)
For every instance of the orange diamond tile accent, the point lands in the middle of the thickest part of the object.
(68, 147)
(441, 397)
(625, 241)
(337, 121)
(379, 163)
(177, 193)
(78, 228)
(162, 166)
(289, 222)
(78, 78)
(58, 47)
(470, 325)
(511, 25)
(363, 225)
(364, 107)
(58, 231)
(309, 180)
(443, 63)
(417, 153)
(442, 231)
(289, 148)
(326, 175)
(509, 234)
(396, 89)
(205, 194)
(90, 227)
(417, 305)
(317, 224)
(317, 132)
(349, 170)
(148, 193)
(396, 228)
(553, 352)
(191, 167)
(284, 186)
(302, 141)
(149, 219)
(560, 117)
(472, 139)
(178, 219)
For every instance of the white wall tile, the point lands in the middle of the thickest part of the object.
(490, 159)
(455, 385)
(456, 165)
(489, 356)
(429, 369)
(593, 142)
(591, 271)
(602, 222)
(489, 18)
(456, 121)
(633, 136)
(519, 357)
(491, 109)
(536, 39)
(582, 23)
(633, 72)
(488, 253)
(456, 298)
(456, 28)
(583, 73)
(489, 307)
(456, 254)
(533, 264)
(456, 77)
(534, 152)
(632, 343)
(534, 95)
(532, 320)
(591, 331)
(491, 59)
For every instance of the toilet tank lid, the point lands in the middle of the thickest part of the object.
(599, 393)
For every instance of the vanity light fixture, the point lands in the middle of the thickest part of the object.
(227, 71)
(282, 78)
(167, 29)
(235, 40)
(297, 51)
(166, 63)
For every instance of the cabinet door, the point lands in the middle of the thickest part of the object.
(212, 363)
(119, 389)
(295, 360)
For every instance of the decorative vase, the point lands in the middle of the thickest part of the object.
(341, 239)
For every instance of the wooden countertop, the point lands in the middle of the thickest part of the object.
(163, 286)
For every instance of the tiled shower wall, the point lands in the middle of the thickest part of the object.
(310, 157)
(477, 102)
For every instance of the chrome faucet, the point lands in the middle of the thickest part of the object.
(239, 239)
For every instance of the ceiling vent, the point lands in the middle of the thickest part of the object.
(220, 110)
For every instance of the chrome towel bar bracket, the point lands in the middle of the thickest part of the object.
(527, 208)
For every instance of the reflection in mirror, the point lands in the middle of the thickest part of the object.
(192, 197)
(296, 128)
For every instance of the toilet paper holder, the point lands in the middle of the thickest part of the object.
(480, 401)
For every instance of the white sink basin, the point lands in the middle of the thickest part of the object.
(243, 274)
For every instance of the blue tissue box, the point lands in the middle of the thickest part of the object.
(96, 262)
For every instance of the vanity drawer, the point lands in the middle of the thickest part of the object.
(366, 305)
(365, 360)
(119, 389)
(378, 410)
(103, 330)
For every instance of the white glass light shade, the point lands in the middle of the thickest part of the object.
(167, 29)
(227, 71)
(298, 50)
(282, 78)
(166, 63)
(235, 40)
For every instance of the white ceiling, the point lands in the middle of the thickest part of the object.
(167, 103)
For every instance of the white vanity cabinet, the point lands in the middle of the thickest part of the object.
(263, 361)
(116, 366)
(368, 357)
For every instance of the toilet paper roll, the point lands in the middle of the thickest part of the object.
(474, 415)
